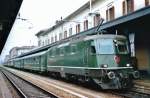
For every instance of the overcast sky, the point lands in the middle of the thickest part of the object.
(41, 14)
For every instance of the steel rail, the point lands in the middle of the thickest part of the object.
(14, 85)
(131, 94)
(52, 94)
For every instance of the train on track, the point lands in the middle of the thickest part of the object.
(102, 58)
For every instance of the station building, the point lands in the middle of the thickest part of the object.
(126, 17)
(16, 51)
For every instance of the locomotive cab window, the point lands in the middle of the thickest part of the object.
(104, 46)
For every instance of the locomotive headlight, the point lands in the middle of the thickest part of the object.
(111, 75)
(128, 65)
(105, 65)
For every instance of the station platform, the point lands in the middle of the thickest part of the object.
(142, 85)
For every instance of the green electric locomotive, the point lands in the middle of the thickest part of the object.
(102, 58)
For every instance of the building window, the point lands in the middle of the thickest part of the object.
(147, 2)
(52, 39)
(65, 34)
(110, 13)
(85, 24)
(70, 31)
(127, 6)
(55, 38)
(77, 28)
(60, 36)
(43, 43)
(96, 19)
(48, 41)
(39, 43)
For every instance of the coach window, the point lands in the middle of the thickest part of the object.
(37, 60)
(53, 52)
(50, 52)
(57, 51)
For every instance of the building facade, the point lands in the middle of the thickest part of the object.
(16, 51)
(7, 57)
(81, 19)
(122, 15)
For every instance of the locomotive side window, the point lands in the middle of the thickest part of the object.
(62, 51)
(92, 48)
(73, 48)
(122, 47)
(93, 51)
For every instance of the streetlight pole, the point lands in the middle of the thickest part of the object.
(90, 6)
(27, 20)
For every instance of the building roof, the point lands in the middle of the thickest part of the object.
(8, 13)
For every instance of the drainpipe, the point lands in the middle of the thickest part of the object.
(132, 44)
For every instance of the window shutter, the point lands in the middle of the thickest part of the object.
(84, 25)
(146, 2)
(76, 28)
(112, 13)
(132, 5)
(123, 8)
(107, 14)
(94, 20)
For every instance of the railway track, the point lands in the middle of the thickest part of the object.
(62, 89)
(135, 92)
(67, 90)
(132, 94)
(26, 89)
